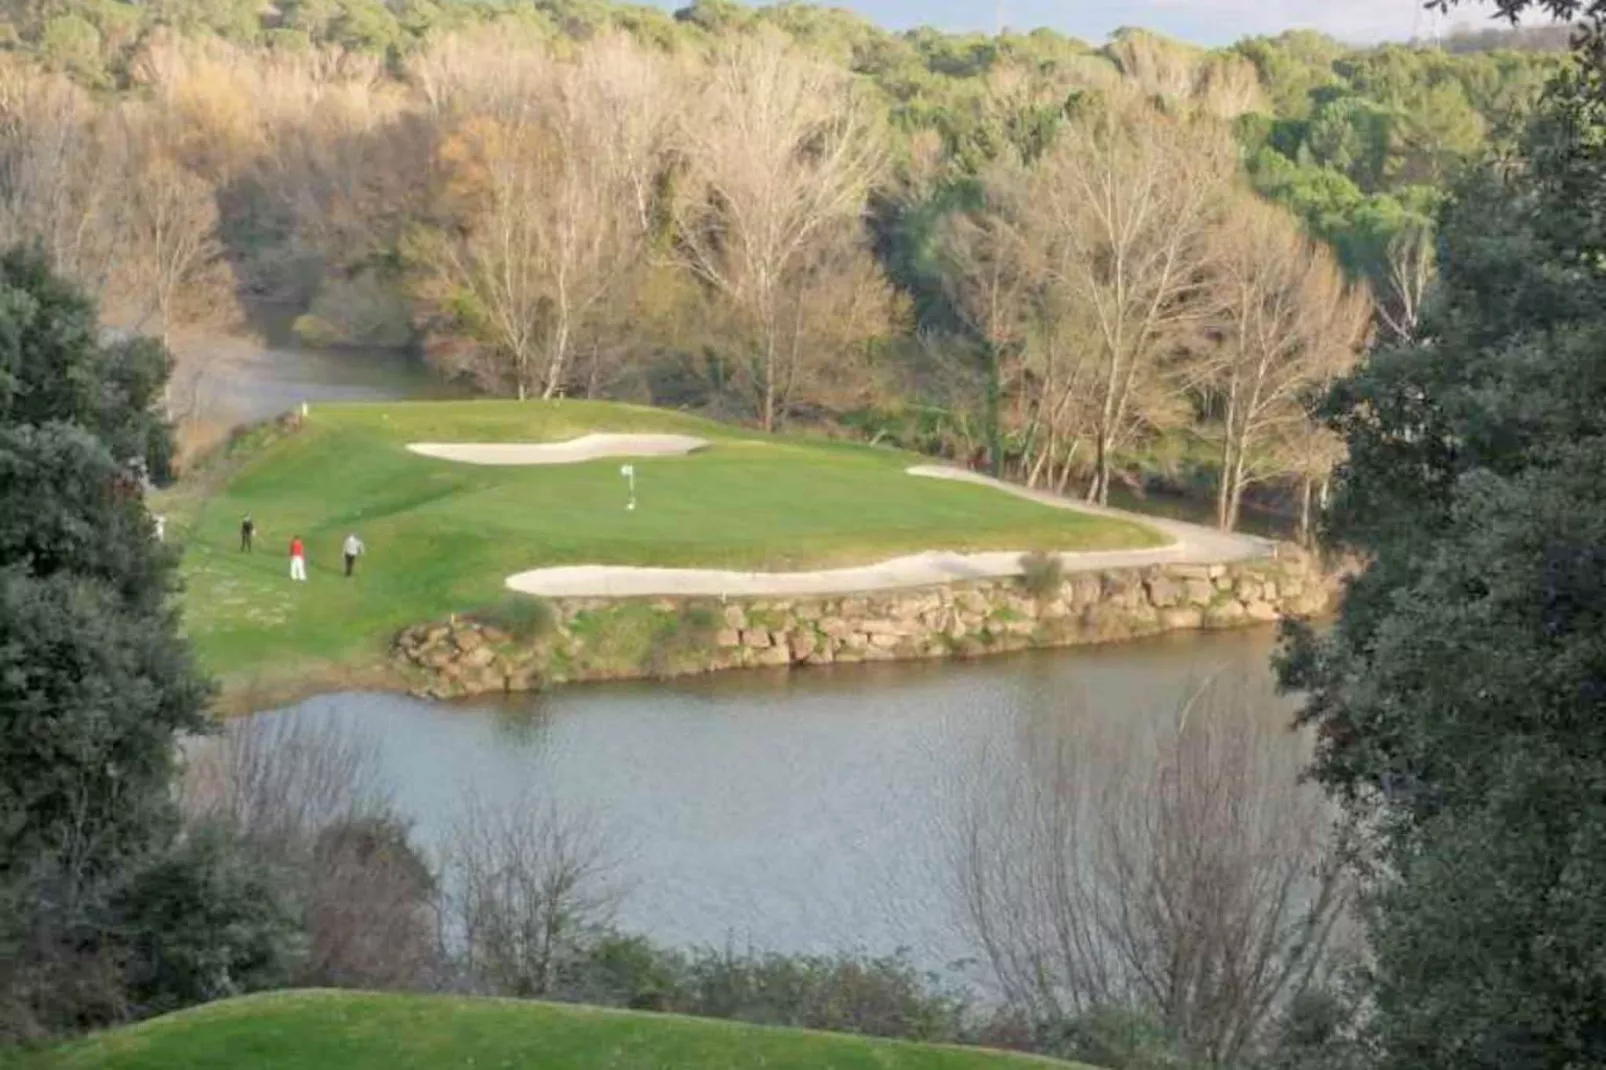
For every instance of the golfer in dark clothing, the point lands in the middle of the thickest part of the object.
(248, 528)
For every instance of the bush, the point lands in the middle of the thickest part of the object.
(1041, 574)
(369, 908)
(883, 997)
(524, 617)
(207, 920)
(624, 971)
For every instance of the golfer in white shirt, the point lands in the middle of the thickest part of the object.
(352, 550)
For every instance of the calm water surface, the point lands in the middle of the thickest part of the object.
(807, 812)
(271, 381)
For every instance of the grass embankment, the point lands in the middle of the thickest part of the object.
(442, 536)
(355, 1031)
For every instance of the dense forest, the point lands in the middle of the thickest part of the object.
(1068, 262)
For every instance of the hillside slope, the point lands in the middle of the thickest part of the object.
(358, 1031)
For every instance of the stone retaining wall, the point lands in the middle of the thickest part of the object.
(602, 639)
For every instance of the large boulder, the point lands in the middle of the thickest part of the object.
(1164, 592)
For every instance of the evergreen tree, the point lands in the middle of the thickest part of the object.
(1461, 698)
(96, 685)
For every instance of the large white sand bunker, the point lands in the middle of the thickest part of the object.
(586, 448)
(914, 570)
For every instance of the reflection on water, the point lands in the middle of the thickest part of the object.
(271, 381)
(802, 812)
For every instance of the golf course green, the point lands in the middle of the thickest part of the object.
(442, 535)
(357, 1031)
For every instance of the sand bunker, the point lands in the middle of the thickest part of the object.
(915, 570)
(585, 448)
(1190, 544)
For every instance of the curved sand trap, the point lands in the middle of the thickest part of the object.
(1190, 544)
(585, 448)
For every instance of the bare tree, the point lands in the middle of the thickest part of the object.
(780, 152)
(59, 168)
(553, 192)
(170, 269)
(527, 886)
(1310, 452)
(281, 779)
(1130, 196)
(172, 261)
(1412, 260)
(992, 275)
(1289, 321)
(1190, 875)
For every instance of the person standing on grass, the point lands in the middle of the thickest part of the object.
(298, 560)
(352, 550)
(248, 528)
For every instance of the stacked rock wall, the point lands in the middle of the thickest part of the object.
(601, 639)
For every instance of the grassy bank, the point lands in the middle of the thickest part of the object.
(356, 1031)
(442, 536)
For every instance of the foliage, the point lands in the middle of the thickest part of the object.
(524, 617)
(95, 684)
(1042, 574)
(53, 367)
(209, 920)
(1458, 698)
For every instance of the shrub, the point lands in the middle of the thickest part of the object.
(369, 908)
(1041, 574)
(208, 920)
(840, 993)
(524, 617)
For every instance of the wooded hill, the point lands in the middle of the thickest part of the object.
(1023, 248)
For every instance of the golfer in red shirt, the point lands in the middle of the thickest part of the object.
(298, 560)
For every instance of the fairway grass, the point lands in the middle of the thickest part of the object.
(359, 1031)
(443, 536)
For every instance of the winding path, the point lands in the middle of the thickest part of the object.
(1191, 544)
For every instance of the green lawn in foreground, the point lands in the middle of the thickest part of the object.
(357, 1031)
(442, 536)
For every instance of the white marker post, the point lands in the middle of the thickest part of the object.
(629, 472)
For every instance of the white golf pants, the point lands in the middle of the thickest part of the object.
(298, 568)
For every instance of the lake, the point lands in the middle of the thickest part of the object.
(803, 812)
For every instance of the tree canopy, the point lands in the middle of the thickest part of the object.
(95, 683)
(1461, 697)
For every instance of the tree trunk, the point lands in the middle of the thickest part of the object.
(560, 352)
(1224, 489)
(1306, 489)
(766, 373)
(1044, 457)
(1098, 492)
(995, 451)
